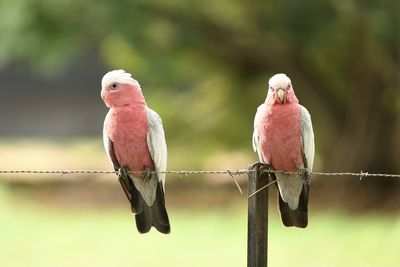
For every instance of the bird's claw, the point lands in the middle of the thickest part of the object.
(146, 175)
(305, 175)
(123, 172)
(261, 168)
(255, 165)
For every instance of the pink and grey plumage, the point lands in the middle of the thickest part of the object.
(284, 139)
(134, 140)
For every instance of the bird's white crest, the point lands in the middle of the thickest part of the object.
(119, 76)
(279, 78)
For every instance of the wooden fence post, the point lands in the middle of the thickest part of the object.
(257, 224)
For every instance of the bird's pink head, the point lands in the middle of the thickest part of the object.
(280, 90)
(118, 88)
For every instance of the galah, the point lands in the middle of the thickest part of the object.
(284, 139)
(135, 143)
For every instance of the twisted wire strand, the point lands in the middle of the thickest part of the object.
(197, 172)
(231, 173)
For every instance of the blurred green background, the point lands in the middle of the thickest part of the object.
(204, 67)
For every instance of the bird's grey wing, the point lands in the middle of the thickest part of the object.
(257, 119)
(307, 138)
(157, 144)
(108, 146)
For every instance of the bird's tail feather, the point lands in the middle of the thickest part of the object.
(144, 220)
(132, 194)
(159, 212)
(146, 216)
(298, 217)
(155, 215)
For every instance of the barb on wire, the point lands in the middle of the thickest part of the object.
(236, 182)
(363, 175)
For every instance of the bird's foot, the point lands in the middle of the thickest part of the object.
(305, 175)
(261, 168)
(255, 165)
(146, 175)
(123, 172)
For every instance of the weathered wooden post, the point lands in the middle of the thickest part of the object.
(257, 224)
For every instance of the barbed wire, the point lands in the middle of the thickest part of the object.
(189, 172)
(231, 173)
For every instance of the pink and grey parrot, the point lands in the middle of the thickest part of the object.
(135, 142)
(284, 139)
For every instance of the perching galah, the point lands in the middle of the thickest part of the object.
(134, 141)
(284, 139)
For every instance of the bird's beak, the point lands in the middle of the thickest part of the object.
(281, 94)
(103, 93)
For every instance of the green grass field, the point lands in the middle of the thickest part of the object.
(34, 234)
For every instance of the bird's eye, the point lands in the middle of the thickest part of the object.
(289, 86)
(114, 85)
(271, 88)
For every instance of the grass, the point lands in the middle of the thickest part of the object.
(34, 234)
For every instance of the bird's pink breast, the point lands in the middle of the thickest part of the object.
(127, 127)
(280, 136)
